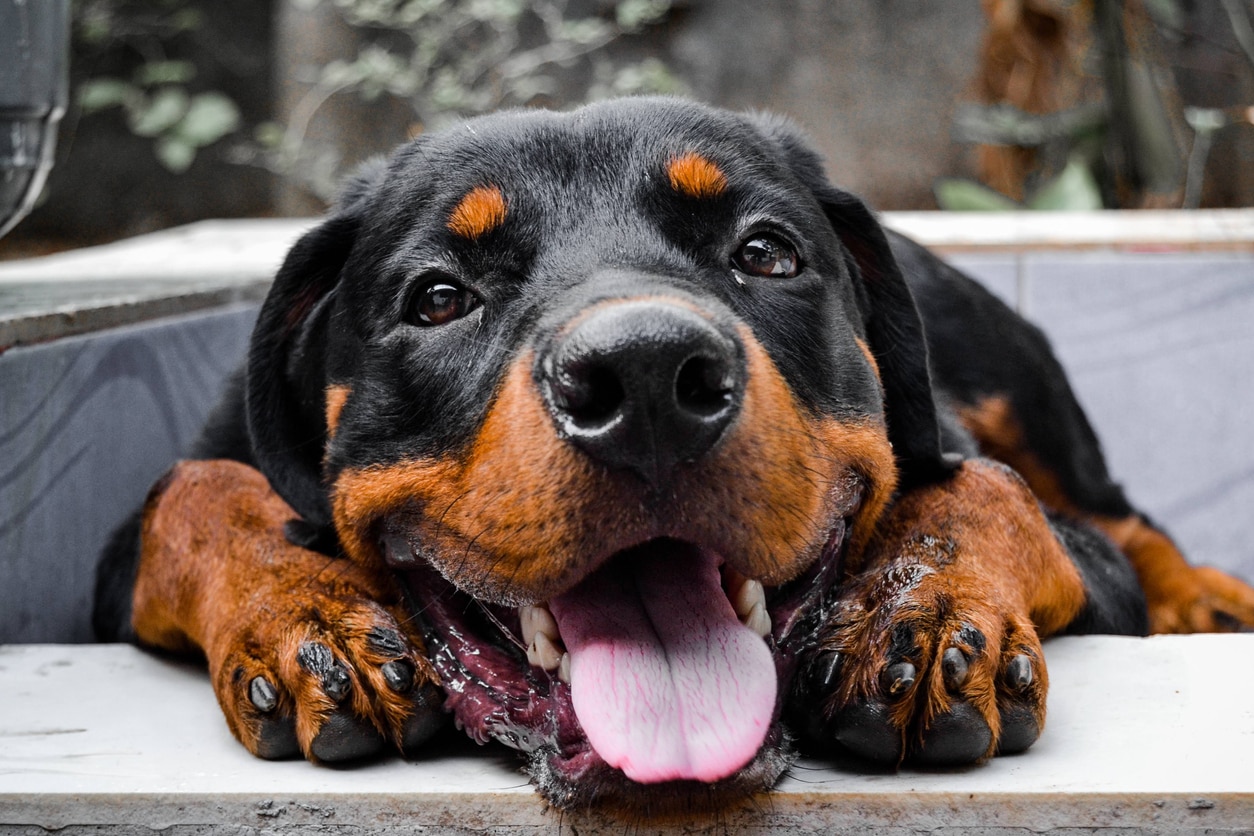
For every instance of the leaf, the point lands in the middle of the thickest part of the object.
(175, 154)
(160, 112)
(165, 72)
(1074, 190)
(209, 117)
(102, 93)
(957, 195)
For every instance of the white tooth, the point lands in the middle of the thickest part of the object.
(543, 653)
(537, 619)
(563, 668)
(750, 595)
(757, 620)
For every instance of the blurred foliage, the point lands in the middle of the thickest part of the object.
(156, 95)
(443, 59)
(446, 60)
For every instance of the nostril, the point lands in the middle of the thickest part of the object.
(591, 396)
(704, 387)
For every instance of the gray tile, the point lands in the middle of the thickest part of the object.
(86, 425)
(1159, 349)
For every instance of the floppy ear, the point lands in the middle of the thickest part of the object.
(287, 375)
(894, 329)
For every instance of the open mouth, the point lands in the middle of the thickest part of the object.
(663, 666)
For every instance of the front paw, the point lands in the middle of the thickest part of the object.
(922, 667)
(325, 672)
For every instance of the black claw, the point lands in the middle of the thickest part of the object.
(344, 737)
(958, 736)
(827, 670)
(399, 675)
(955, 667)
(263, 695)
(1019, 672)
(336, 683)
(897, 679)
(318, 659)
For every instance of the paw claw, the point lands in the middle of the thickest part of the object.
(262, 695)
(897, 679)
(954, 667)
(827, 670)
(318, 659)
(399, 675)
(1019, 672)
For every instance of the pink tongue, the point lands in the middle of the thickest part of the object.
(666, 682)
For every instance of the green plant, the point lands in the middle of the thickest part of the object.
(450, 59)
(155, 94)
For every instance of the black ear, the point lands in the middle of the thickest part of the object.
(287, 375)
(894, 329)
(895, 334)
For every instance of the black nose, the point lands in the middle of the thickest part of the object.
(643, 385)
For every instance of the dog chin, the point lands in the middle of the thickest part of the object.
(655, 684)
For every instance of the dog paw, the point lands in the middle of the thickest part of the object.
(327, 673)
(1200, 599)
(925, 666)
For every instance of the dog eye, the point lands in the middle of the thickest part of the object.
(441, 302)
(768, 256)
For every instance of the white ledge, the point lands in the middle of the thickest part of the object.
(1207, 230)
(1145, 735)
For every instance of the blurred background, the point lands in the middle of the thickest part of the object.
(182, 110)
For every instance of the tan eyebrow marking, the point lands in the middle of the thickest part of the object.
(695, 176)
(480, 211)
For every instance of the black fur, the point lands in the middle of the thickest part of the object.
(340, 312)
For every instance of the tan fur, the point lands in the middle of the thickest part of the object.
(482, 210)
(215, 567)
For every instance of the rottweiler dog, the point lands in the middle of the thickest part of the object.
(626, 439)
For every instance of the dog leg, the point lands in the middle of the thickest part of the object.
(307, 653)
(1181, 598)
(933, 651)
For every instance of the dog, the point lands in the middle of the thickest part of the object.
(627, 440)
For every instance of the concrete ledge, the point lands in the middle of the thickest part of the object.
(217, 262)
(1211, 230)
(177, 271)
(1145, 736)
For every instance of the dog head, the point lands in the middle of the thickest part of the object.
(620, 394)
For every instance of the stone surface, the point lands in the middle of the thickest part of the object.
(1144, 736)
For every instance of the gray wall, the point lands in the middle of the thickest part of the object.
(87, 424)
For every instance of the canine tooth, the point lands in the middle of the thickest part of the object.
(543, 653)
(563, 668)
(757, 620)
(537, 619)
(751, 594)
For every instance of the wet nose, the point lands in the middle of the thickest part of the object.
(643, 385)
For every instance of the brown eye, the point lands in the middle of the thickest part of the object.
(767, 256)
(441, 302)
